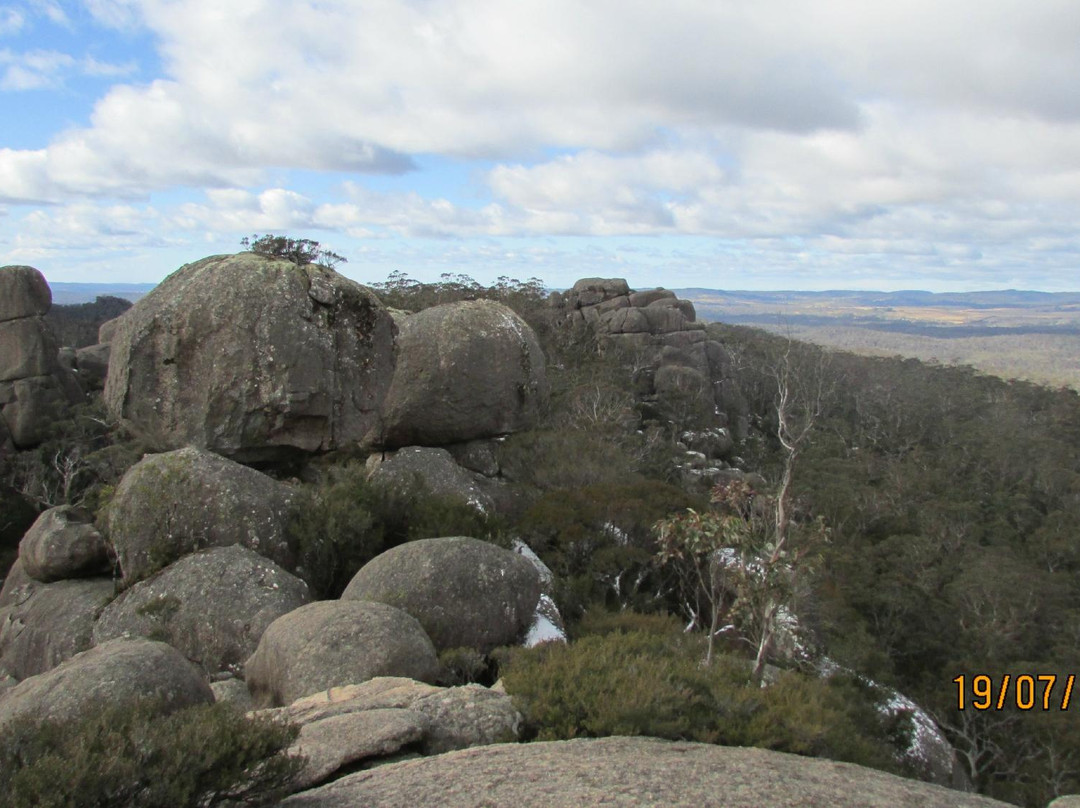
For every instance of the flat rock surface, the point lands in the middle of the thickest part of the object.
(627, 771)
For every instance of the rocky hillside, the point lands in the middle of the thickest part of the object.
(379, 523)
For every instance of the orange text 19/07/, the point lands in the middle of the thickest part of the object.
(1046, 691)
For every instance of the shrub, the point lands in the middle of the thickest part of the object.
(651, 683)
(300, 251)
(341, 523)
(132, 756)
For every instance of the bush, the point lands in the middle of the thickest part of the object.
(651, 683)
(132, 756)
(344, 521)
(300, 251)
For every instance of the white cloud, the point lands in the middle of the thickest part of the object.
(11, 20)
(33, 70)
(837, 127)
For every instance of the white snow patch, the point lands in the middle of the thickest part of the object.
(546, 625)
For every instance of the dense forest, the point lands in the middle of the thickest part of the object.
(941, 503)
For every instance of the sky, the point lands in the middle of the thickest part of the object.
(733, 144)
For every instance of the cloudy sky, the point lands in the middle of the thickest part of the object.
(738, 144)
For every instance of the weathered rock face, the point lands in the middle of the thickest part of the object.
(630, 772)
(252, 357)
(34, 388)
(333, 643)
(110, 674)
(63, 543)
(171, 504)
(465, 592)
(50, 623)
(213, 606)
(436, 470)
(465, 370)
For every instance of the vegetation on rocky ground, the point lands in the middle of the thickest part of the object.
(129, 756)
(950, 499)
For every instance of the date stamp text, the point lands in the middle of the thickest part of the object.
(1046, 691)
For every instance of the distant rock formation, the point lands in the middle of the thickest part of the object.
(680, 374)
(35, 389)
(254, 358)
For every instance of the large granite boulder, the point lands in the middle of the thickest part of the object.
(111, 674)
(45, 624)
(63, 543)
(466, 370)
(336, 642)
(171, 504)
(252, 357)
(465, 592)
(628, 772)
(213, 606)
(35, 389)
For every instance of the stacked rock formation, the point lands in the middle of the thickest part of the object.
(34, 388)
(676, 364)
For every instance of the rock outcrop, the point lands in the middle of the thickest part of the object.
(347, 726)
(254, 358)
(63, 543)
(171, 504)
(465, 592)
(336, 642)
(213, 606)
(631, 772)
(466, 370)
(35, 389)
(110, 674)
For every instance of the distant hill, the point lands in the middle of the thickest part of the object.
(1007, 333)
(66, 294)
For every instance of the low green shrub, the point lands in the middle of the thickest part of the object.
(619, 682)
(344, 521)
(132, 756)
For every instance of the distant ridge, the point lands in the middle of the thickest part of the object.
(66, 294)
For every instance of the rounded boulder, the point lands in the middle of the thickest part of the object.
(24, 292)
(110, 674)
(212, 606)
(253, 357)
(333, 643)
(465, 592)
(171, 504)
(465, 370)
(63, 543)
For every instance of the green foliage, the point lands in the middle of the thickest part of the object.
(77, 325)
(463, 666)
(637, 683)
(82, 458)
(132, 756)
(952, 500)
(300, 251)
(598, 541)
(341, 523)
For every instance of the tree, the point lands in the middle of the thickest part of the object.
(300, 251)
(731, 565)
